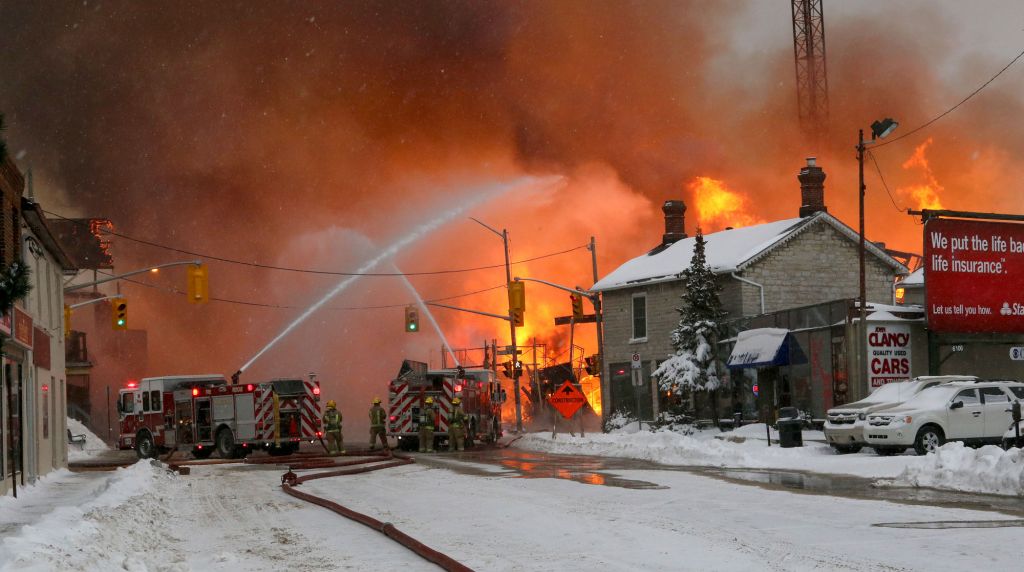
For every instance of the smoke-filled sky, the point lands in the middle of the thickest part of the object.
(310, 134)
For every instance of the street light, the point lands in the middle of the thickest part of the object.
(512, 324)
(879, 130)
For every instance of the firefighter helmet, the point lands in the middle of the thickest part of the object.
(331, 404)
(456, 401)
(430, 401)
(376, 401)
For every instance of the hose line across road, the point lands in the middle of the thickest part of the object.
(289, 482)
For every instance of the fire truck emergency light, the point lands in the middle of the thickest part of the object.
(195, 391)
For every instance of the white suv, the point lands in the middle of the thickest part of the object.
(972, 412)
(844, 425)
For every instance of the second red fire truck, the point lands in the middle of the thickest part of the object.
(478, 389)
(203, 413)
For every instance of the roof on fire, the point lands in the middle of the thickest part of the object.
(727, 251)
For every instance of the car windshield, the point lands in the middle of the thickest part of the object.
(893, 392)
(934, 397)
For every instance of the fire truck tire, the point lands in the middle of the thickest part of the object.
(225, 444)
(145, 448)
(202, 453)
(281, 451)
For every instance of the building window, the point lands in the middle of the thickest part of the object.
(639, 316)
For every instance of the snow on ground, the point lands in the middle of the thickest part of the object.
(690, 523)
(93, 446)
(235, 517)
(955, 467)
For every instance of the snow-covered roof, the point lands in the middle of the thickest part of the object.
(727, 251)
(914, 279)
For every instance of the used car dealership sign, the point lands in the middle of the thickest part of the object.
(972, 275)
(888, 354)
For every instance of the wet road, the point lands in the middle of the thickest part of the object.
(603, 471)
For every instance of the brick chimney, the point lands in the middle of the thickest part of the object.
(812, 189)
(675, 217)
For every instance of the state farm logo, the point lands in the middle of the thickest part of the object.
(1015, 309)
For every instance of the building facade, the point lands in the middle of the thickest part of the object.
(762, 269)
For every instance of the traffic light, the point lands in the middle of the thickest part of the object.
(119, 313)
(67, 321)
(507, 368)
(460, 372)
(518, 317)
(577, 306)
(518, 371)
(412, 319)
(198, 284)
(591, 365)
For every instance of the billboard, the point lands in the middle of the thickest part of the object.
(973, 275)
(888, 354)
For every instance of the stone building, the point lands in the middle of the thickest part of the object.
(763, 269)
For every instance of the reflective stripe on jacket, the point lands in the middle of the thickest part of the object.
(332, 420)
(377, 416)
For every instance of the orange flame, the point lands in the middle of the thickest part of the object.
(718, 207)
(927, 193)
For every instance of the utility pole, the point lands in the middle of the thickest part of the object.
(595, 299)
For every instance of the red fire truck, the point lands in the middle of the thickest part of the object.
(204, 413)
(478, 389)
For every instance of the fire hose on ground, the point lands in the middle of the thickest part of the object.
(290, 480)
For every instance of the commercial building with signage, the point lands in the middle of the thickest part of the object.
(33, 428)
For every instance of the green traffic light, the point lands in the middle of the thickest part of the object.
(120, 322)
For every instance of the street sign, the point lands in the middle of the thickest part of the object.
(636, 363)
(567, 400)
(638, 378)
(586, 319)
(507, 350)
(1017, 353)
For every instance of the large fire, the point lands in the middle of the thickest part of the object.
(926, 194)
(718, 207)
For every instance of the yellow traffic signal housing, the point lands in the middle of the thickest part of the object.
(412, 319)
(119, 313)
(67, 321)
(518, 317)
(517, 295)
(577, 306)
(198, 284)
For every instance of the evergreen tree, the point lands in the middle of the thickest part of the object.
(694, 365)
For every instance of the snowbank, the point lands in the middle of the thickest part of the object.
(704, 449)
(93, 444)
(989, 469)
(91, 529)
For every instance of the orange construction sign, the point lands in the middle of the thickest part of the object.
(567, 400)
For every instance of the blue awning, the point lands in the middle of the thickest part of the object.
(764, 347)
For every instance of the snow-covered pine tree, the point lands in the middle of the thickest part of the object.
(694, 365)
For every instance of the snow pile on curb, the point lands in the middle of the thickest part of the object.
(703, 449)
(95, 534)
(989, 469)
(93, 444)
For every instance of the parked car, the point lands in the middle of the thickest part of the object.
(976, 413)
(844, 425)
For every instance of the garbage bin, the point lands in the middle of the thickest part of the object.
(790, 428)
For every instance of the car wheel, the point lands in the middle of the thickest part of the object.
(928, 440)
(144, 446)
(846, 449)
(225, 444)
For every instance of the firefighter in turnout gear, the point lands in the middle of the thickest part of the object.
(377, 419)
(332, 427)
(427, 415)
(457, 427)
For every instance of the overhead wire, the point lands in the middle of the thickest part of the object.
(174, 290)
(884, 184)
(313, 271)
(951, 109)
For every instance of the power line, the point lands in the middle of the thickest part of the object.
(312, 271)
(173, 290)
(884, 184)
(952, 109)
